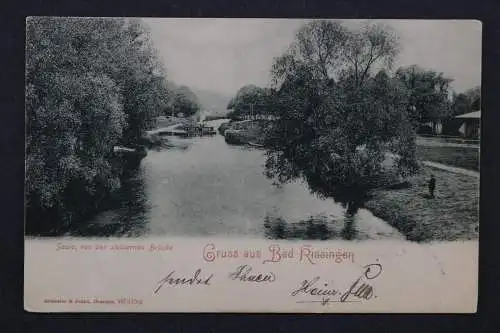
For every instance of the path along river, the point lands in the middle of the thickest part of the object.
(205, 187)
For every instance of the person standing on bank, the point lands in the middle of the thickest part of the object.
(432, 186)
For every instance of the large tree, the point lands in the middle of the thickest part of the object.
(90, 84)
(429, 93)
(142, 79)
(474, 95)
(372, 46)
(336, 121)
(250, 101)
(185, 101)
(460, 104)
(466, 102)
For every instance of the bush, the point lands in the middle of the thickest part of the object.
(89, 86)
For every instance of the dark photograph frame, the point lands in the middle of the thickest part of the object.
(13, 168)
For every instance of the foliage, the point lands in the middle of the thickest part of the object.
(335, 121)
(460, 104)
(142, 80)
(429, 93)
(374, 45)
(90, 84)
(185, 101)
(250, 102)
(474, 95)
(466, 102)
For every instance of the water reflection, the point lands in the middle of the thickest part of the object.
(313, 228)
(203, 187)
(349, 232)
(126, 211)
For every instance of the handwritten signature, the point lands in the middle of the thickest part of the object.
(194, 279)
(245, 273)
(359, 290)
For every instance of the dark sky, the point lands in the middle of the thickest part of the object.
(224, 54)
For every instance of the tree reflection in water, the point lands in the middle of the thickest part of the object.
(349, 232)
(314, 228)
(126, 210)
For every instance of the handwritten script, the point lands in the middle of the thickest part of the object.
(195, 279)
(245, 273)
(322, 292)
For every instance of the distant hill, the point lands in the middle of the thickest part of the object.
(215, 103)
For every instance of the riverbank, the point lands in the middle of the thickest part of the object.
(463, 157)
(451, 215)
(243, 132)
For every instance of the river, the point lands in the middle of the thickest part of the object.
(204, 187)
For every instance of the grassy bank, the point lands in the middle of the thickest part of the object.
(451, 215)
(243, 132)
(467, 158)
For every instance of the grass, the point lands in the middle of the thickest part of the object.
(462, 157)
(452, 215)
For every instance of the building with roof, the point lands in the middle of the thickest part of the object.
(471, 124)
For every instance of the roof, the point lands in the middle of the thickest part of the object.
(470, 115)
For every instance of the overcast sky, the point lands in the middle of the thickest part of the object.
(222, 55)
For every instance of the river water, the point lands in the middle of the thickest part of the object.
(204, 187)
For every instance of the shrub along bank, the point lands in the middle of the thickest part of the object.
(91, 84)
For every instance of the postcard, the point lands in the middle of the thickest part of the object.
(252, 165)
